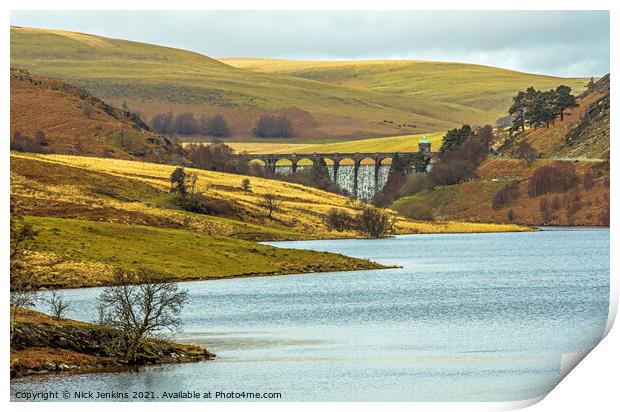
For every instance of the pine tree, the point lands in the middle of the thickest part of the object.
(517, 112)
(564, 100)
(455, 137)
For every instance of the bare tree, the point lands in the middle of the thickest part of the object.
(546, 212)
(22, 296)
(526, 152)
(58, 305)
(100, 314)
(270, 203)
(141, 305)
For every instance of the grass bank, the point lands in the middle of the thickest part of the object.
(71, 253)
(93, 215)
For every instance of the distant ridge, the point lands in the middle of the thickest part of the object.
(322, 99)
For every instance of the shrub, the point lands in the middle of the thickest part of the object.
(215, 126)
(273, 126)
(552, 178)
(185, 123)
(374, 223)
(216, 156)
(88, 110)
(526, 152)
(199, 203)
(21, 143)
(246, 185)
(453, 172)
(129, 142)
(510, 214)
(506, 195)
(421, 211)
(416, 183)
(338, 220)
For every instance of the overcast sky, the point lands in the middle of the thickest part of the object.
(564, 43)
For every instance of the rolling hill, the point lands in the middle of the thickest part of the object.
(487, 90)
(324, 102)
(75, 122)
(94, 214)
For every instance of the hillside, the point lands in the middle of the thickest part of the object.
(487, 90)
(407, 143)
(584, 132)
(585, 203)
(93, 214)
(75, 122)
(154, 79)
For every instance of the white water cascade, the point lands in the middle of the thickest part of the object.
(365, 178)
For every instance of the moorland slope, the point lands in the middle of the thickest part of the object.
(487, 90)
(75, 122)
(153, 79)
(94, 214)
(583, 133)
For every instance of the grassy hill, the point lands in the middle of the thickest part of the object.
(485, 90)
(94, 214)
(321, 104)
(472, 201)
(75, 122)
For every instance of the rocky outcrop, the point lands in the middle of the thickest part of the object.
(83, 347)
(592, 132)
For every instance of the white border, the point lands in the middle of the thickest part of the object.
(593, 385)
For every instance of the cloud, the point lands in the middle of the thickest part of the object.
(565, 43)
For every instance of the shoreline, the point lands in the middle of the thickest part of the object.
(242, 276)
(45, 346)
(363, 265)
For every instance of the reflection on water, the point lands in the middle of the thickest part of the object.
(477, 317)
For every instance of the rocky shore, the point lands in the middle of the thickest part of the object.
(44, 345)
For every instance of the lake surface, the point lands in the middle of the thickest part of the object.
(474, 317)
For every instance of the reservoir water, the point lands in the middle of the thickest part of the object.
(472, 317)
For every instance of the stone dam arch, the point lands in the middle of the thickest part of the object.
(361, 174)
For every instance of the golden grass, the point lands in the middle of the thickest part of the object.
(405, 143)
(483, 88)
(300, 215)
